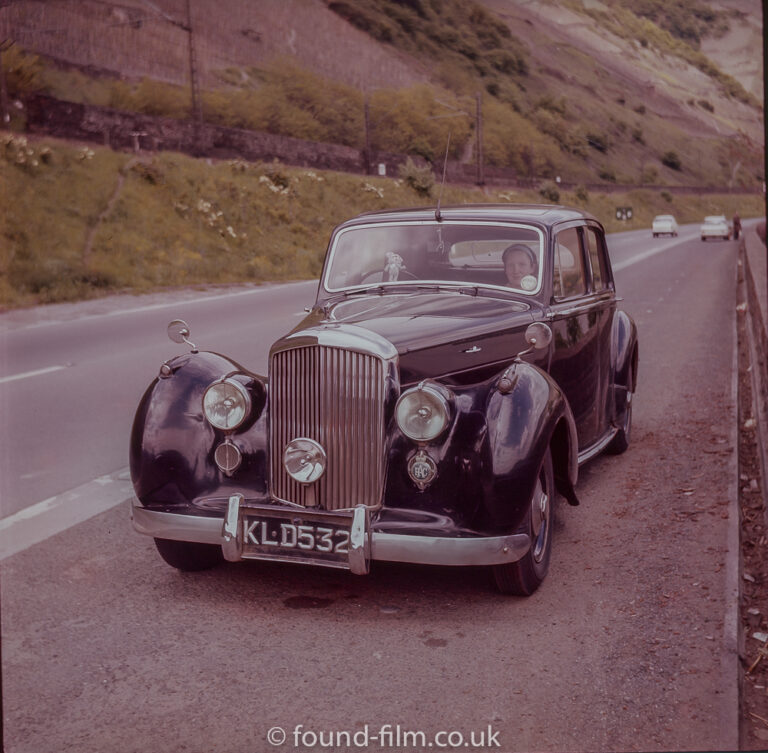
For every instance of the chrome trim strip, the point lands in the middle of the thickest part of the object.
(392, 547)
(598, 447)
(169, 525)
(346, 337)
(431, 550)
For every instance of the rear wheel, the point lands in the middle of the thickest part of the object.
(620, 442)
(189, 556)
(523, 577)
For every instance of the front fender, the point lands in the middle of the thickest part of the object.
(488, 462)
(172, 444)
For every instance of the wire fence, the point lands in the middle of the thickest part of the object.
(149, 38)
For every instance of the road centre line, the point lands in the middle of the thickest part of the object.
(643, 256)
(34, 524)
(27, 374)
(158, 306)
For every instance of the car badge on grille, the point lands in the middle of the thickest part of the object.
(305, 460)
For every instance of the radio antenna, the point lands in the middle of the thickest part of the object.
(438, 216)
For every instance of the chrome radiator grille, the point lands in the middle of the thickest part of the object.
(335, 397)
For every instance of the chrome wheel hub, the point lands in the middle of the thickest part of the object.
(540, 513)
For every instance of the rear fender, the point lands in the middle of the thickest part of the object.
(523, 423)
(624, 359)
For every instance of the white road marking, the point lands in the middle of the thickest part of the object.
(168, 304)
(644, 255)
(28, 374)
(51, 516)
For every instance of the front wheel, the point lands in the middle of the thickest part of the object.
(189, 556)
(523, 577)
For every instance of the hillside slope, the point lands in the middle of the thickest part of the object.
(609, 104)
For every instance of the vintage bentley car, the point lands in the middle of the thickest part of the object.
(456, 368)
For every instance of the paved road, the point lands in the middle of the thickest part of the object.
(629, 645)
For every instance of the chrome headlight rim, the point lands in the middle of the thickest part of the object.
(440, 399)
(241, 394)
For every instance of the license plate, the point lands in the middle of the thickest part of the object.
(297, 538)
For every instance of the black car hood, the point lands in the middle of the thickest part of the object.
(416, 320)
(434, 333)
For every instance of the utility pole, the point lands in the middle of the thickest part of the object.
(367, 118)
(197, 112)
(479, 134)
(5, 113)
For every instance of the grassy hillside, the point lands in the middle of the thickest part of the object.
(610, 91)
(88, 222)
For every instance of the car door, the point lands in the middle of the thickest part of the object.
(579, 315)
(602, 294)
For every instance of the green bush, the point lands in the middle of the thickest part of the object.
(597, 141)
(420, 179)
(23, 72)
(671, 160)
(550, 192)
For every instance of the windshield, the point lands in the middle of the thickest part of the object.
(461, 253)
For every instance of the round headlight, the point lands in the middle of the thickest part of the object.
(226, 404)
(422, 413)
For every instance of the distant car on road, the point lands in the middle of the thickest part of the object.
(715, 226)
(457, 367)
(664, 224)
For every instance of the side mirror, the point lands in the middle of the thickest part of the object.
(538, 335)
(178, 331)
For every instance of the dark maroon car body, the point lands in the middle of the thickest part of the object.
(526, 382)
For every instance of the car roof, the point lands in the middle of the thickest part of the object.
(664, 217)
(544, 214)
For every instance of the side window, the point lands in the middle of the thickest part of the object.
(596, 259)
(569, 277)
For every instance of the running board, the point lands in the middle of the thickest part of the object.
(598, 446)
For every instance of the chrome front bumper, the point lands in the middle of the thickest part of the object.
(364, 544)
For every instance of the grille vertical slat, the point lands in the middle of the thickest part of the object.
(336, 397)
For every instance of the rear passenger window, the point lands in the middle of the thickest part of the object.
(596, 260)
(569, 277)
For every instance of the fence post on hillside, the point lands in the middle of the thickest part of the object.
(367, 120)
(479, 129)
(5, 114)
(197, 112)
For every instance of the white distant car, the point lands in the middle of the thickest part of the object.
(715, 226)
(664, 224)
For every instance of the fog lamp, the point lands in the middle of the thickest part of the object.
(304, 460)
